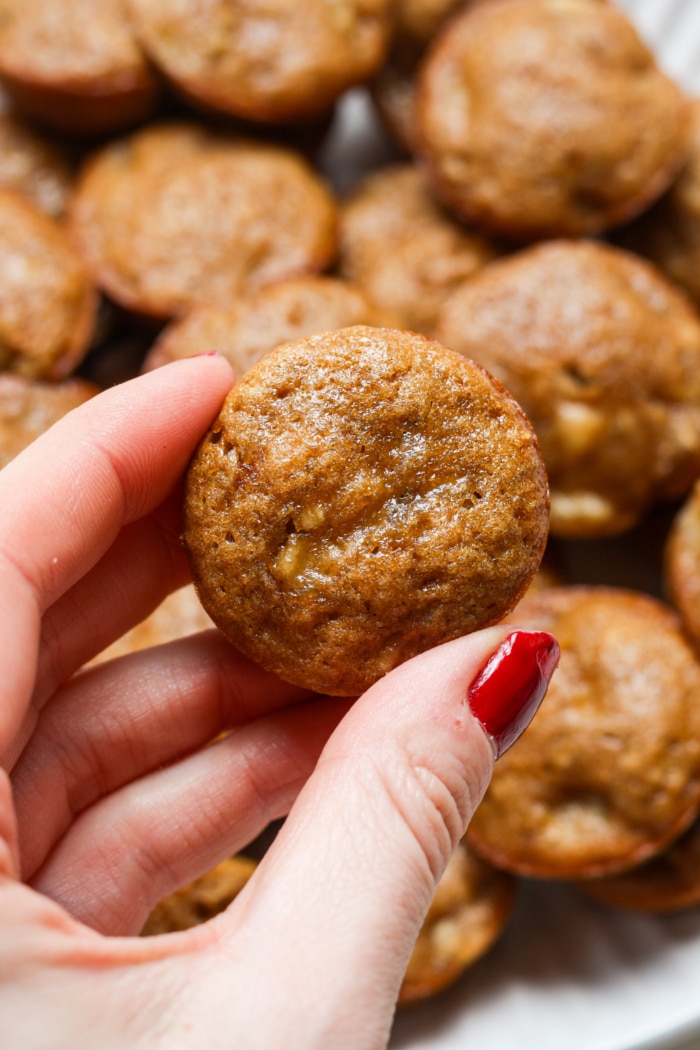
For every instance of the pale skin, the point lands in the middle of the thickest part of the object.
(110, 798)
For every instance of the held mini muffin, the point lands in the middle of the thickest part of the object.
(176, 215)
(546, 118)
(363, 495)
(47, 302)
(261, 61)
(608, 772)
(74, 65)
(603, 353)
(29, 407)
(404, 249)
(276, 314)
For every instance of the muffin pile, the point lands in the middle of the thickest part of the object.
(529, 245)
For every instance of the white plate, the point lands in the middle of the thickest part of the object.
(569, 974)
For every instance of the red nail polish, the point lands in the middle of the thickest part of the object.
(506, 693)
(208, 353)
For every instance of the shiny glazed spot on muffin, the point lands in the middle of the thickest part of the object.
(363, 495)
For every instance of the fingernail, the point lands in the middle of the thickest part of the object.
(208, 353)
(507, 691)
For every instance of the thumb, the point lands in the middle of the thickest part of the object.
(338, 900)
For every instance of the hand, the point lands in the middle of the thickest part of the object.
(114, 795)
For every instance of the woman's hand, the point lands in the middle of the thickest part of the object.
(113, 795)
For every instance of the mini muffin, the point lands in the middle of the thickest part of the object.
(202, 899)
(681, 562)
(47, 302)
(176, 215)
(666, 883)
(261, 61)
(275, 314)
(669, 233)
(178, 615)
(603, 354)
(35, 164)
(363, 495)
(546, 118)
(607, 774)
(399, 244)
(471, 906)
(29, 407)
(74, 65)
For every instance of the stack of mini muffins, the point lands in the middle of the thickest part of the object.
(164, 191)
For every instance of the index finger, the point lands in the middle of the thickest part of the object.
(67, 496)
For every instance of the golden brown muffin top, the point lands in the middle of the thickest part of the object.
(603, 354)
(28, 408)
(470, 908)
(47, 304)
(277, 313)
(608, 772)
(666, 883)
(71, 42)
(264, 60)
(176, 215)
(363, 495)
(669, 233)
(404, 249)
(545, 118)
(34, 164)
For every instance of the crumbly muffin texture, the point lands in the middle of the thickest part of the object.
(607, 774)
(363, 495)
(29, 407)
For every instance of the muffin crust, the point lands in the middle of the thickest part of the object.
(363, 495)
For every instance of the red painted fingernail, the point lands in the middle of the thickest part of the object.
(208, 353)
(506, 693)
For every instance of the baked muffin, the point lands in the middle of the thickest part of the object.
(603, 354)
(681, 562)
(666, 883)
(362, 496)
(202, 899)
(74, 65)
(261, 61)
(607, 774)
(178, 615)
(35, 164)
(275, 314)
(547, 118)
(669, 233)
(29, 407)
(403, 248)
(469, 911)
(47, 302)
(176, 215)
